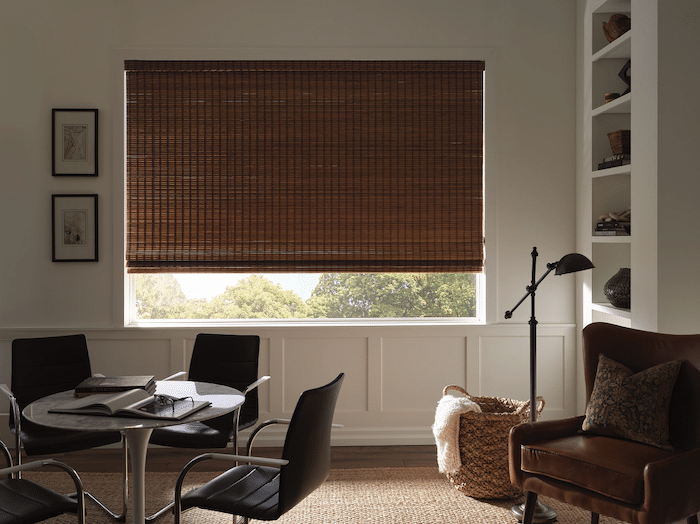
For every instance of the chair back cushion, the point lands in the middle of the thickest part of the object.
(307, 445)
(640, 350)
(43, 366)
(230, 360)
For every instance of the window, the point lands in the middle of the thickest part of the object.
(304, 296)
(336, 168)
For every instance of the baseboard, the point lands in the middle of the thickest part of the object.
(376, 436)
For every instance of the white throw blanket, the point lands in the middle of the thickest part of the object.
(446, 430)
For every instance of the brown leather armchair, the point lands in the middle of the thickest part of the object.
(623, 479)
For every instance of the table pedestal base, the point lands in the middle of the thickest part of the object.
(137, 442)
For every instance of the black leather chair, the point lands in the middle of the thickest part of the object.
(265, 489)
(230, 360)
(24, 502)
(597, 469)
(41, 367)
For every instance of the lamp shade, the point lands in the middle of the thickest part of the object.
(572, 263)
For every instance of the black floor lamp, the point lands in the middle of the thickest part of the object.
(570, 263)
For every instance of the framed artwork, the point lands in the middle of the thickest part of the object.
(74, 228)
(74, 147)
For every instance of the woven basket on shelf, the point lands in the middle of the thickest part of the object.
(483, 446)
(620, 142)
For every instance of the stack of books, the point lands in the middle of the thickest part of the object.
(612, 228)
(615, 161)
(93, 385)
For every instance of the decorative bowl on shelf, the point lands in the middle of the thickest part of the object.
(609, 97)
(617, 289)
(618, 25)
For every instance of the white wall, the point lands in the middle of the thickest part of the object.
(678, 161)
(65, 54)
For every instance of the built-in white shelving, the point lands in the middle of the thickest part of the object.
(622, 105)
(611, 310)
(610, 188)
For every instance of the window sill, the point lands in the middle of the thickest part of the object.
(306, 323)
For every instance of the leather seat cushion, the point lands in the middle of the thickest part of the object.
(39, 440)
(25, 501)
(194, 435)
(247, 490)
(610, 466)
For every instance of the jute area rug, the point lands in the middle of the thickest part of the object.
(349, 496)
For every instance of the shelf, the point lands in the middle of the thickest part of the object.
(612, 171)
(621, 47)
(611, 240)
(621, 105)
(612, 6)
(611, 310)
(610, 189)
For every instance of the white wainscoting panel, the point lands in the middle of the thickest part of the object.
(394, 375)
(116, 357)
(415, 370)
(312, 362)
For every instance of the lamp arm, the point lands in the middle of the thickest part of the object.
(532, 288)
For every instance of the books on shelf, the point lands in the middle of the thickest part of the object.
(93, 385)
(615, 161)
(611, 233)
(612, 228)
(133, 403)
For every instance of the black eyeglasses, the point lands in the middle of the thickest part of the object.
(167, 400)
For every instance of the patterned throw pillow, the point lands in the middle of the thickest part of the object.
(632, 405)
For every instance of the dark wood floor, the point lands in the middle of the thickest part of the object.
(342, 457)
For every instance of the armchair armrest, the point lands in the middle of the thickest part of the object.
(255, 384)
(251, 438)
(260, 461)
(668, 480)
(536, 431)
(10, 470)
(545, 430)
(8, 392)
(175, 375)
(271, 422)
(16, 418)
(79, 491)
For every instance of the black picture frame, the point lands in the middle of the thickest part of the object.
(74, 142)
(74, 233)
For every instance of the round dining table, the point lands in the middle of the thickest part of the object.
(137, 430)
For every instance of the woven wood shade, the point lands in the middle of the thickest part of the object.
(304, 166)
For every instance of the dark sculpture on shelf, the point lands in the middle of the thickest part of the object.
(626, 75)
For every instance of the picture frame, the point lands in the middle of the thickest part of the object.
(74, 142)
(74, 228)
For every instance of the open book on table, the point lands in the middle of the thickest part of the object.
(133, 403)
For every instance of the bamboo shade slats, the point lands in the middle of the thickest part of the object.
(304, 166)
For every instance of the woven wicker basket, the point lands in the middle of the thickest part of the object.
(620, 142)
(483, 446)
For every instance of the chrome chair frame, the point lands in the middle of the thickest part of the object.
(234, 439)
(248, 458)
(119, 517)
(15, 471)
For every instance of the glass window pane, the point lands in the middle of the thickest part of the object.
(305, 295)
